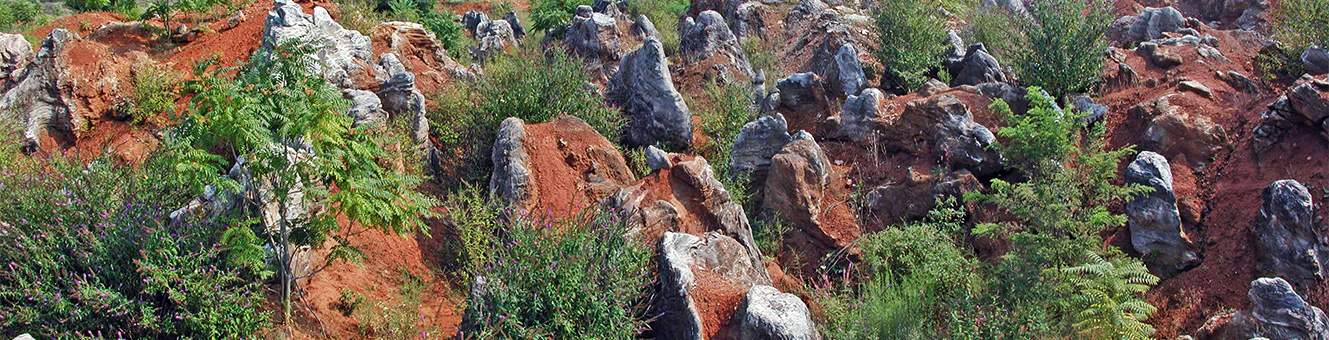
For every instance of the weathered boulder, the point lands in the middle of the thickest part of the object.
(961, 141)
(15, 54)
(913, 198)
(657, 159)
(757, 142)
(595, 37)
(708, 38)
(977, 67)
(1151, 23)
(420, 52)
(801, 91)
(749, 19)
(342, 53)
(40, 102)
(366, 109)
(1178, 134)
(644, 90)
(1243, 14)
(1287, 235)
(798, 190)
(1153, 219)
(1316, 60)
(1276, 312)
(856, 115)
(846, 76)
(1309, 97)
(492, 37)
(1094, 112)
(1013, 6)
(471, 20)
(401, 97)
(1275, 121)
(518, 31)
(767, 313)
(702, 279)
(557, 168)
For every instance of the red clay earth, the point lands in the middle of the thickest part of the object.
(563, 154)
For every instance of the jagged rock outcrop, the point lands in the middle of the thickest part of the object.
(697, 275)
(1288, 240)
(1242, 14)
(757, 142)
(420, 52)
(976, 67)
(801, 92)
(401, 97)
(657, 159)
(766, 313)
(961, 141)
(857, 114)
(1151, 23)
(598, 40)
(492, 37)
(342, 55)
(1309, 97)
(518, 30)
(944, 121)
(366, 108)
(15, 54)
(846, 75)
(798, 190)
(1315, 60)
(1179, 134)
(644, 90)
(40, 102)
(913, 198)
(1153, 219)
(706, 40)
(1276, 312)
(749, 20)
(557, 168)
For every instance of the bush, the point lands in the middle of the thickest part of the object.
(90, 252)
(445, 27)
(88, 5)
(913, 36)
(154, 92)
(552, 15)
(1058, 46)
(529, 86)
(664, 14)
(580, 279)
(475, 224)
(15, 15)
(1301, 23)
(359, 15)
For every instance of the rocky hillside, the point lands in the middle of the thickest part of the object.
(706, 169)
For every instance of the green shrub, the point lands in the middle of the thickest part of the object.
(724, 110)
(91, 252)
(359, 15)
(475, 225)
(1058, 46)
(1110, 296)
(552, 15)
(913, 35)
(87, 5)
(154, 92)
(527, 85)
(1301, 23)
(581, 279)
(769, 233)
(445, 27)
(15, 15)
(664, 14)
(762, 57)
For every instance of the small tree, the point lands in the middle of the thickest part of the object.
(1058, 45)
(291, 128)
(913, 35)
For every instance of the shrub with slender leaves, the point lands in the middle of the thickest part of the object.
(913, 35)
(474, 234)
(552, 15)
(1058, 45)
(17, 14)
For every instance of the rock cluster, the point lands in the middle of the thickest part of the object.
(757, 142)
(694, 269)
(342, 53)
(707, 38)
(599, 40)
(1179, 134)
(1276, 312)
(1151, 23)
(976, 66)
(1306, 104)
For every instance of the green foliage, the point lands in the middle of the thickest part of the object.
(165, 10)
(552, 15)
(913, 35)
(91, 251)
(724, 111)
(154, 92)
(446, 28)
(359, 15)
(769, 231)
(1111, 295)
(1301, 23)
(244, 250)
(17, 15)
(664, 14)
(579, 279)
(1059, 45)
(475, 224)
(87, 5)
(762, 57)
(529, 86)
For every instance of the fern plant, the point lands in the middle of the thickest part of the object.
(1111, 293)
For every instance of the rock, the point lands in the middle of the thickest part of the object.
(400, 97)
(1158, 56)
(1275, 121)
(1309, 97)
(15, 54)
(233, 20)
(1153, 219)
(856, 115)
(1276, 312)
(1094, 112)
(766, 313)
(657, 159)
(707, 37)
(912, 199)
(366, 109)
(959, 140)
(757, 142)
(38, 102)
(1238, 81)
(955, 49)
(1177, 134)
(594, 36)
(471, 20)
(801, 90)
(1287, 235)
(518, 31)
(1197, 87)
(1151, 23)
(492, 37)
(341, 54)
(644, 89)
(749, 20)
(976, 67)
(717, 258)
(557, 168)
(419, 52)
(932, 87)
(511, 177)
(24, 336)
(796, 188)
(1316, 60)
(643, 28)
(847, 76)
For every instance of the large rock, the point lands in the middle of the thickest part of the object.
(702, 278)
(857, 114)
(400, 96)
(766, 313)
(799, 190)
(366, 109)
(597, 39)
(1316, 60)
(15, 54)
(420, 52)
(1310, 98)
(644, 89)
(961, 141)
(847, 76)
(913, 198)
(557, 168)
(757, 142)
(342, 53)
(708, 38)
(1275, 312)
(492, 37)
(40, 102)
(1179, 134)
(1153, 219)
(801, 92)
(1151, 23)
(1287, 234)
(976, 67)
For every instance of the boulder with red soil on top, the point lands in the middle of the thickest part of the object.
(1153, 219)
(558, 168)
(1288, 238)
(1276, 312)
(913, 198)
(797, 190)
(702, 280)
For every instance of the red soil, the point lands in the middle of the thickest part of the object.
(564, 153)
(716, 299)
